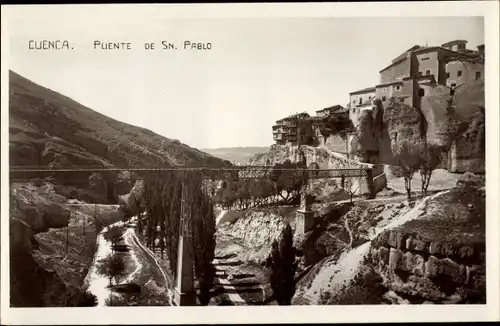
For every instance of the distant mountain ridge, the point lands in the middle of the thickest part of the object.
(240, 155)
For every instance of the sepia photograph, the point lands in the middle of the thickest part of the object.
(259, 161)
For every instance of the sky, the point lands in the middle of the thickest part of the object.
(257, 71)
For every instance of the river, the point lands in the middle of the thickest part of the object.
(98, 283)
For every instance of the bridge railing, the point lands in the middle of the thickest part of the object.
(19, 173)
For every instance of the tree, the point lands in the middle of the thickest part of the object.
(283, 268)
(287, 179)
(166, 206)
(112, 267)
(114, 235)
(429, 160)
(407, 159)
(349, 186)
(335, 124)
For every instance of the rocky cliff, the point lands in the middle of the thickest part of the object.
(431, 253)
(441, 256)
(51, 246)
(456, 126)
(325, 159)
(50, 129)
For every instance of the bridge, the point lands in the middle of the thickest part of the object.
(26, 173)
(184, 292)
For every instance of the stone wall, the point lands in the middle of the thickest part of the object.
(429, 270)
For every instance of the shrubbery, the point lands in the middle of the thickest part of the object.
(284, 183)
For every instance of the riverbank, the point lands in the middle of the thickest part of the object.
(142, 282)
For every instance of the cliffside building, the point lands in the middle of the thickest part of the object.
(289, 129)
(358, 101)
(411, 75)
(332, 110)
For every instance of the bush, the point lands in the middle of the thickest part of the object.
(112, 267)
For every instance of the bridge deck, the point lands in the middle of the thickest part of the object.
(20, 173)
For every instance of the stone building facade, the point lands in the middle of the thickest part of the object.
(303, 128)
(293, 129)
(358, 101)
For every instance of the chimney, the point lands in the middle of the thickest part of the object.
(409, 57)
(480, 49)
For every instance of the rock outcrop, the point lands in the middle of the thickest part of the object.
(439, 257)
(325, 159)
(456, 125)
(431, 253)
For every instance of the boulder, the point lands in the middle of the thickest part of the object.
(432, 266)
(395, 259)
(419, 267)
(396, 240)
(450, 268)
(420, 245)
(469, 179)
(383, 254)
(434, 248)
(408, 262)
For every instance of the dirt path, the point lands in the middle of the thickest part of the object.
(153, 265)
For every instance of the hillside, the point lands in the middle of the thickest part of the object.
(429, 252)
(54, 223)
(239, 155)
(49, 129)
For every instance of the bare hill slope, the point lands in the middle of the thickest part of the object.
(49, 129)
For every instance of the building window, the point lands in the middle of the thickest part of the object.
(398, 88)
(420, 73)
(453, 85)
(478, 75)
(383, 98)
(360, 100)
(427, 72)
(447, 75)
(421, 92)
(401, 100)
(459, 73)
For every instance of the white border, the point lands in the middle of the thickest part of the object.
(269, 314)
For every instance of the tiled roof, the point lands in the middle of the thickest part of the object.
(453, 42)
(332, 108)
(364, 90)
(305, 114)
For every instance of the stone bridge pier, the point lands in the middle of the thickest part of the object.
(184, 292)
